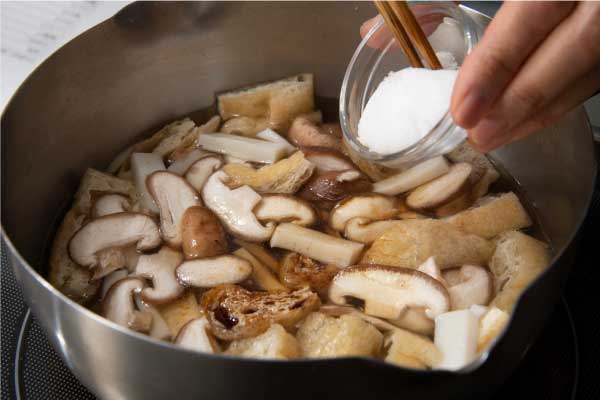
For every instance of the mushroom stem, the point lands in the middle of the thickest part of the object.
(242, 147)
(316, 245)
(412, 177)
(260, 253)
(261, 274)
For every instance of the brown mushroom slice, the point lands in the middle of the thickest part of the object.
(473, 285)
(412, 177)
(374, 206)
(111, 279)
(363, 230)
(181, 165)
(335, 185)
(261, 275)
(442, 189)
(236, 313)
(110, 204)
(159, 328)
(142, 166)
(195, 335)
(316, 245)
(234, 208)
(160, 268)
(202, 234)
(213, 271)
(271, 136)
(173, 195)
(285, 208)
(245, 148)
(298, 271)
(201, 170)
(118, 305)
(387, 291)
(110, 231)
(326, 159)
(304, 133)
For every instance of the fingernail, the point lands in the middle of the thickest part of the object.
(471, 109)
(489, 134)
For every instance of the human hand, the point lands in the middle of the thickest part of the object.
(535, 62)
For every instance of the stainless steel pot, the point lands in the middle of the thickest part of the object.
(154, 62)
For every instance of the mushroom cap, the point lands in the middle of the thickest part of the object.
(173, 195)
(110, 203)
(199, 172)
(114, 230)
(374, 206)
(335, 185)
(195, 335)
(388, 291)
(213, 271)
(202, 234)
(469, 285)
(160, 268)
(441, 190)
(285, 208)
(234, 208)
(118, 304)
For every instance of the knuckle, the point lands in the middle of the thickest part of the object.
(528, 98)
(495, 62)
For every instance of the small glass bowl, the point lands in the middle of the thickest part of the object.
(372, 62)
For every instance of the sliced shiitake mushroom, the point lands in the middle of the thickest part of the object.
(118, 304)
(412, 177)
(442, 189)
(173, 195)
(304, 133)
(374, 206)
(386, 292)
(111, 231)
(213, 271)
(160, 268)
(201, 170)
(316, 245)
(285, 208)
(234, 208)
(202, 234)
(236, 313)
(335, 185)
(111, 203)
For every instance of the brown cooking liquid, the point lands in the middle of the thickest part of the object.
(329, 108)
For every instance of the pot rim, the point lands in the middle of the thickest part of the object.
(369, 361)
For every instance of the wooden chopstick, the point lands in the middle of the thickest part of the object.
(399, 33)
(400, 18)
